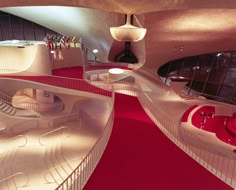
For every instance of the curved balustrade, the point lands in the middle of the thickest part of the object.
(13, 177)
(78, 178)
(224, 167)
(4, 97)
(98, 71)
(64, 82)
(36, 106)
(209, 96)
(50, 171)
(52, 132)
(26, 105)
(7, 100)
(9, 71)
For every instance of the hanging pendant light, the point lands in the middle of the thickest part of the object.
(128, 32)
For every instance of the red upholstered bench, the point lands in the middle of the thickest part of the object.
(186, 113)
(197, 119)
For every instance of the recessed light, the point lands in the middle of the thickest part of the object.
(95, 50)
(116, 71)
(14, 41)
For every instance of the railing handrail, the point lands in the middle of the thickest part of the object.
(30, 79)
(201, 152)
(50, 132)
(8, 100)
(10, 71)
(13, 175)
(212, 96)
(5, 96)
(90, 152)
(32, 105)
(60, 165)
(25, 143)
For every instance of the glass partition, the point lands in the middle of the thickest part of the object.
(210, 75)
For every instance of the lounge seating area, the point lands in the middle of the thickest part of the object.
(213, 119)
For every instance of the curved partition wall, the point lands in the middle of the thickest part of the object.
(30, 58)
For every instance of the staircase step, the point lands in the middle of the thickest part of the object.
(2, 106)
(5, 108)
(9, 109)
(13, 111)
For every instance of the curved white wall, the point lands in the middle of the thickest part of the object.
(32, 58)
(39, 59)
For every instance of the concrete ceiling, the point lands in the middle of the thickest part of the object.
(130, 6)
(175, 28)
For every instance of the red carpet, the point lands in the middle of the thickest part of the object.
(72, 72)
(140, 157)
(223, 126)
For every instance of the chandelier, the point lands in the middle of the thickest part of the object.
(128, 32)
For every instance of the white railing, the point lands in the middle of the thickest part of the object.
(9, 71)
(57, 168)
(78, 178)
(13, 178)
(220, 165)
(26, 105)
(64, 82)
(98, 71)
(195, 94)
(17, 105)
(5, 98)
(120, 87)
(59, 129)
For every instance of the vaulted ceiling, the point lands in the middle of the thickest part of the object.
(175, 28)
